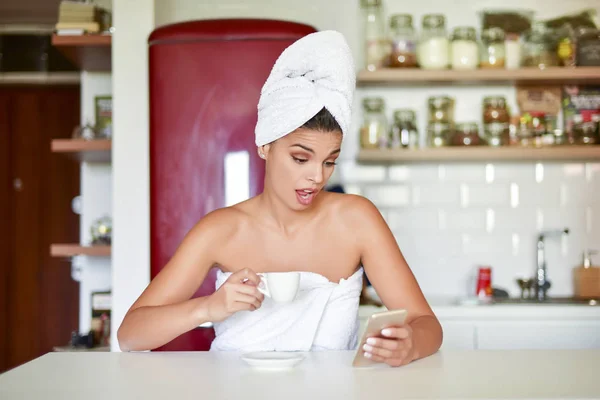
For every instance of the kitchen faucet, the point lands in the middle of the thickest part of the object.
(542, 284)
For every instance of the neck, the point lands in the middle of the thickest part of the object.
(280, 215)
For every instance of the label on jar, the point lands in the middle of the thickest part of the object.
(496, 128)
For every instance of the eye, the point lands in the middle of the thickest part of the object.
(330, 163)
(300, 160)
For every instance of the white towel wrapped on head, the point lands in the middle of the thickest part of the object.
(323, 316)
(315, 72)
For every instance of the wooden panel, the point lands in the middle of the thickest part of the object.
(59, 293)
(88, 52)
(405, 76)
(6, 200)
(481, 154)
(40, 78)
(70, 250)
(24, 289)
(84, 150)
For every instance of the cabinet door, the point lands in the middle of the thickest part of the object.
(458, 335)
(538, 335)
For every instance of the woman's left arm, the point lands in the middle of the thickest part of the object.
(397, 287)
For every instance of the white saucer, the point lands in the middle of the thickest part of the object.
(272, 359)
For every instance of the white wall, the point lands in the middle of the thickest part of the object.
(133, 21)
(96, 196)
(429, 207)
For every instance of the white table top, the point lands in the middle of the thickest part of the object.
(322, 375)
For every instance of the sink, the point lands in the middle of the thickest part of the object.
(519, 301)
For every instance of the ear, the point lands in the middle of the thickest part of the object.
(263, 151)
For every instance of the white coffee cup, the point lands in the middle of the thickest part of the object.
(280, 286)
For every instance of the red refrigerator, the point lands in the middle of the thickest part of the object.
(205, 81)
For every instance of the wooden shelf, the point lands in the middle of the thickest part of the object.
(482, 154)
(88, 52)
(84, 150)
(415, 76)
(70, 250)
(40, 78)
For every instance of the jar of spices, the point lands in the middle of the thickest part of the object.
(585, 130)
(466, 134)
(495, 110)
(588, 47)
(404, 42)
(437, 134)
(374, 28)
(497, 134)
(463, 49)
(433, 49)
(441, 109)
(404, 132)
(493, 51)
(539, 49)
(374, 131)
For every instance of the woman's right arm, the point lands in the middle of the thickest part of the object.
(164, 310)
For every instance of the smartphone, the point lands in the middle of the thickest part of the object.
(375, 324)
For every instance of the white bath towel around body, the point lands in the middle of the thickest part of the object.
(323, 316)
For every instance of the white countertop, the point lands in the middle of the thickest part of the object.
(322, 375)
(449, 308)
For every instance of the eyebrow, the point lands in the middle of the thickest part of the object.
(311, 150)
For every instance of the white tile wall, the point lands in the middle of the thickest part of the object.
(449, 219)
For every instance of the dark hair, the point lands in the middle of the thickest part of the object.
(323, 121)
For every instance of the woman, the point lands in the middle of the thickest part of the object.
(294, 225)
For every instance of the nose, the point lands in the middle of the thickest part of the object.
(317, 174)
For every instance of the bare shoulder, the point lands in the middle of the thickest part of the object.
(219, 224)
(354, 211)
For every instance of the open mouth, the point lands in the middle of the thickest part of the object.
(306, 196)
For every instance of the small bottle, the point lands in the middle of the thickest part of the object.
(374, 28)
(464, 49)
(433, 49)
(404, 132)
(404, 42)
(493, 51)
(374, 131)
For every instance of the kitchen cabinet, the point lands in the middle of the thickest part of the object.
(552, 334)
(513, 328)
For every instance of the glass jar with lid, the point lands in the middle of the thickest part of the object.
(437, 134)
(585, 129)
(374, 31)
(539, 47)
(588, 47)
(495, 110)
(466, 134)
(433, 49)
(464, 51)
(441, 109)
(404, 132)
(403, 41)
(374, 130)
(493, 51)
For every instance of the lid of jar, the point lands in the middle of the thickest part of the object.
(494, 101)
(371, 3)
(467, 127)
(401, 21)
(493, 34)
(439, 101)
(373, 103)
(404, 114)
(464, 33)
(434, 21)
(537, 114)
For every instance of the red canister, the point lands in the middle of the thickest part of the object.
(484, 282)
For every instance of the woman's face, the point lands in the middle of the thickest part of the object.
(300, 164)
